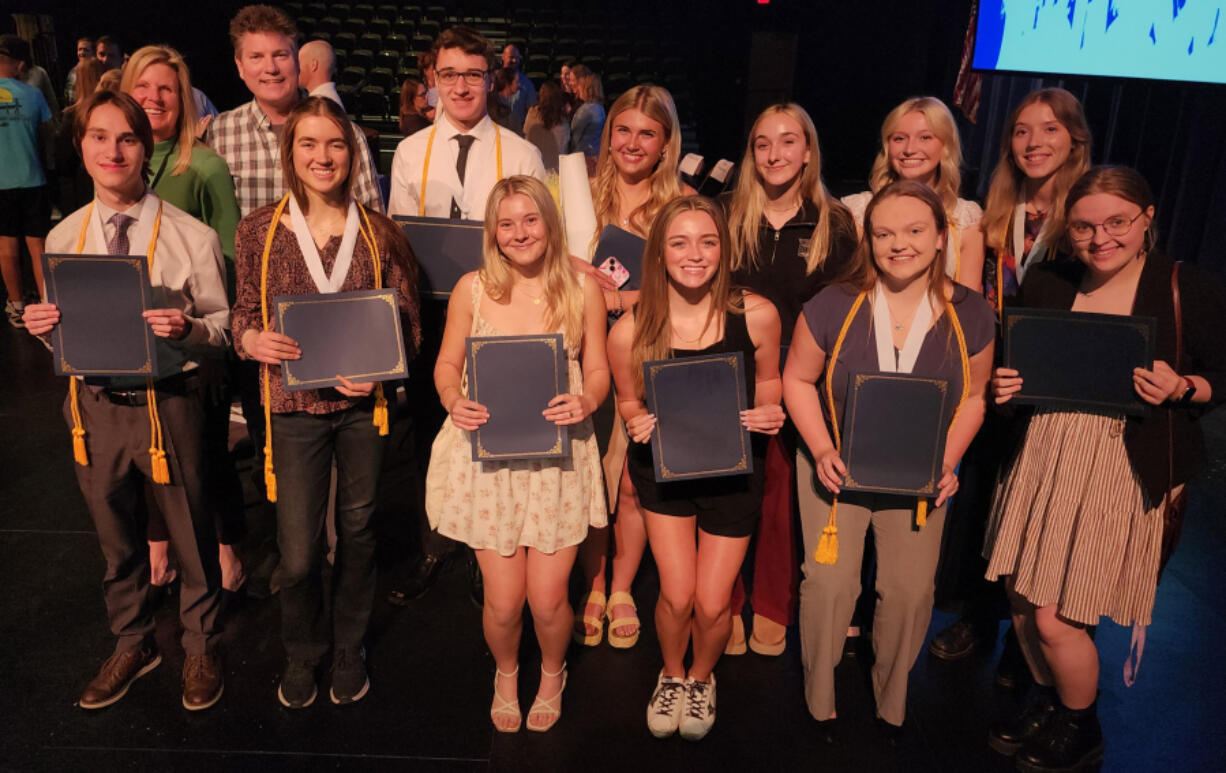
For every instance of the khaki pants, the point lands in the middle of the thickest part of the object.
(906, 568)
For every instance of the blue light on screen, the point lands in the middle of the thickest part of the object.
(1162, 39)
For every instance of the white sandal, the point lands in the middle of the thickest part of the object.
(548, 706)
(503, 707)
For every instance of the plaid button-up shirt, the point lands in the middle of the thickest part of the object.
(245, 139)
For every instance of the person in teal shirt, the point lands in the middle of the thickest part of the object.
(189, 175)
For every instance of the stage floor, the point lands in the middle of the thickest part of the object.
(431, 673)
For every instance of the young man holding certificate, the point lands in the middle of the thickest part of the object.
(115, 421)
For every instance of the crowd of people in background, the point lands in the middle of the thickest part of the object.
(280, 196)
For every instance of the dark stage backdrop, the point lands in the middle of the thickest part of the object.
(853, 61)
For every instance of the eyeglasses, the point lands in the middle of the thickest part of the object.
(1119, 225)
(471, 77)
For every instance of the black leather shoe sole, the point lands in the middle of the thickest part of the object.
(1007, 747)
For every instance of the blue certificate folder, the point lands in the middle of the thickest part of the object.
(356, 334)
(697, 402)
(515, 377)
(101, 330)
(617, 243)
(445, 249)
(1078, 360)
(894, 428)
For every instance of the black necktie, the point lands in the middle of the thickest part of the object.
(461, 162)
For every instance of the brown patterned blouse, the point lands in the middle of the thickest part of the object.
(288, 275)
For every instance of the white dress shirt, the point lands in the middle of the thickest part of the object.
(328, 89)
(481, 172)
(188, 272)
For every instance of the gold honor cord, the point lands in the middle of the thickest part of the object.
(828, 545)
(157, 450)
(380, 417)
(425, 165)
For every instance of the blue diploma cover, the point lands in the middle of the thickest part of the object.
(515, 377)
(357, 334)
(445, 249)
(101, 331)
(697, 402)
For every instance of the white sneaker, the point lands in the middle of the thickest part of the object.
(667, 703)
(699, 712)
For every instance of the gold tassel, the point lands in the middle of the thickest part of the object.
(270, 477)
(380, 419)
(78, 431)
(157, 454)
(828, 546)
(921, 513)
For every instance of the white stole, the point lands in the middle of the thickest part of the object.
(1037, 252)
(310, 253)
(921, 320)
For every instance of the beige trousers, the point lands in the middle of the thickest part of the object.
(906, 571)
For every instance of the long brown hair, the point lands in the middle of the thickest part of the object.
(142, 60)
(652, 329)
(326, 108)
(563, 295)
(863, 274)
(657, 104)
(1006, 191)
(89, 73)
(749, 198)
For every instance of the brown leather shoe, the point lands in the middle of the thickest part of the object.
(202, 684)
(118, 673)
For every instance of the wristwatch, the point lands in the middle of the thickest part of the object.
(1189, 391)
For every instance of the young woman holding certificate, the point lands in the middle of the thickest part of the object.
(896, 312)
(790, 238)
(636, 175)
(919, 141)
(1077, 523)
(316, 240)
(699, 530)
(524, 518)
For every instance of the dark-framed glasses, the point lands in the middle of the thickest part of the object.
(471, 77)
(1080, 230)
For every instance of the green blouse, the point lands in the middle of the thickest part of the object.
(204, 190)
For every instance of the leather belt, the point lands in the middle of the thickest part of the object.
(177, 385)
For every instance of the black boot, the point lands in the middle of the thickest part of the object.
(1008, 736)
(1070, 741)
(955, 642)
(420, 579)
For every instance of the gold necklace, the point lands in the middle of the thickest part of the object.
(536, 299)
(685, 340)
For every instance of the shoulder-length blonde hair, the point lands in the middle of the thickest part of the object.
(941, 123)
(864, 273)
(563, 295)
(142, 60)
(657, 104)
(324, 108)
(1006, 191)
(652, 330)
(749, 198)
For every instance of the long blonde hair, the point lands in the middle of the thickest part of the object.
(941, 122)
(749, 198)
(1006, 190)
(657, 104)
(652, 330)
(142, 60)
(563, 296)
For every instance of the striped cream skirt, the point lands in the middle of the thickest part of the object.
(1069, 522)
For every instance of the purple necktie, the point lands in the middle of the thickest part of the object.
(118, 245)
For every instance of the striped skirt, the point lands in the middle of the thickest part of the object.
(1069, 522)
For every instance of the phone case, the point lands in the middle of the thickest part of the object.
(613, 269)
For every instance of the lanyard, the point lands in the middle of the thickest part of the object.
(425, 166)
(162, 167)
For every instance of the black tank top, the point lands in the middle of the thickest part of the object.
(735, 339)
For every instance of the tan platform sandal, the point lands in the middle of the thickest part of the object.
(764, 647)
(622, 598)
(581, 636)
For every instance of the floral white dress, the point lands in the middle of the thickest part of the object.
(542, 504)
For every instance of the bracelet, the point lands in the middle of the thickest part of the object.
(620, 308)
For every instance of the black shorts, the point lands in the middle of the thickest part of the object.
(25, 212)
(725, 507)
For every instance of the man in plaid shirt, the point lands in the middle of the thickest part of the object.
(248, 137)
